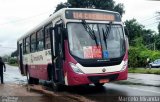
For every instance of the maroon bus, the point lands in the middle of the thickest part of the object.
(75, 46)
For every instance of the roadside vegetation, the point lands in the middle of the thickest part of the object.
(144, 43)
(145, 71)
(11, 60)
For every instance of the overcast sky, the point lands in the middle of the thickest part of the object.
(18, 16)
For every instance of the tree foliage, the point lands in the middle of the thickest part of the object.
(135, 30)
(14, 54)
(138, 32)
(97, 4)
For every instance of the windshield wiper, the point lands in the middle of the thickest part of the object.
(90, 31)
(106, 33)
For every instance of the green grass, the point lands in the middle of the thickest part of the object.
(144, 71)
(15, 64)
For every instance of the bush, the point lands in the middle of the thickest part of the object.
(139, 55)
(13, 61)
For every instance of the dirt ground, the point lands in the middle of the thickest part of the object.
(21, 93)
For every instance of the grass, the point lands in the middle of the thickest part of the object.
(145, 71)
(15, 64)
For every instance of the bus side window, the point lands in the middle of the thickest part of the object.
(33, 42)
(47, 37)
(40, 40)
(27, 45)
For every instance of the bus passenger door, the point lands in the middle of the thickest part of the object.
(57, 54)
(21, 59)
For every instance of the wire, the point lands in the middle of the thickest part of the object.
(25, 18)
(150, 18)
(152, 23)
(9, 47)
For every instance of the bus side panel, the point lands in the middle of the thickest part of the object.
(38, 71)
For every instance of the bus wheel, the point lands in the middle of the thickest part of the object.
(57, 87)
(36, 81)
(29, 79)
(98, 84)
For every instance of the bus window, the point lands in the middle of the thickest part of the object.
(27, 45)
(47, 37)
(33, 42)
(40, 40)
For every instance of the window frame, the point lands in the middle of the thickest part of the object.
(31, 43)
(47, 35)
(39, 32)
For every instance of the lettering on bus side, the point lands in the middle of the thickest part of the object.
(36, 58)
(48, 52)
(25, 59)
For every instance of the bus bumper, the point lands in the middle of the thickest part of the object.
(82, 79)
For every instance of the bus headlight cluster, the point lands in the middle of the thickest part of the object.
(125, 64)
(76, 69)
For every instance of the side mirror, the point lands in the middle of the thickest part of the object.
(126, 31)
(127, 36)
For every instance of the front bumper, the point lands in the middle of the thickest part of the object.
(82, 79)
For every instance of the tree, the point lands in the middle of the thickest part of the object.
(61, 5)
(138, 32)
(97, 4)
(135, 30)
(14, 54)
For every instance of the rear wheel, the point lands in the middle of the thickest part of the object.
(32, 80)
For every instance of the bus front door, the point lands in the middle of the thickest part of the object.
(21, 59)
(57, 54)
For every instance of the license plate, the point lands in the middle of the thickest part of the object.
(103, 80)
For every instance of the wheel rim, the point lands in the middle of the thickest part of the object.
(27, 77)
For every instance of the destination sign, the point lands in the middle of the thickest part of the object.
(92, 15)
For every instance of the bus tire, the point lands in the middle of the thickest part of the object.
(35, 81)
(57, 87)
(49, 71)
(32, 80)
(98, 84)
(29, 79)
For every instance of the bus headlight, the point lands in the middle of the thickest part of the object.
(125, 64)
(75, 68)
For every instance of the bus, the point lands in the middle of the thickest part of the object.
(75, 46)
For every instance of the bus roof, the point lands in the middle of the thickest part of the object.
(57, 14)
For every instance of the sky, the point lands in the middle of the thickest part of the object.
(19, 16)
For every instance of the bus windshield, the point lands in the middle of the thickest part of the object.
(110, 41)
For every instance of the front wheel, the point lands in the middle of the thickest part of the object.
(57, 87)
(98, 84)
